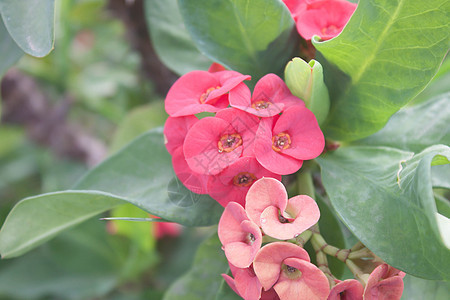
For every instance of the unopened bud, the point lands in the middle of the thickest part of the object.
(305, 80)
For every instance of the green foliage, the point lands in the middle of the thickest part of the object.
(416, 288)
(138, 174)
(251, 37)
(203, 280)
(415, 128)
(390, 50)
(10, 52)
(31, 24)
(172, 42)
(394, 189)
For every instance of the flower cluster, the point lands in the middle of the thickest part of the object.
(325, 18)
(282, 269)
(267, 133)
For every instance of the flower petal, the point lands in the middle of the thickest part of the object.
(349, 289)
(175, 130)
(197, 183)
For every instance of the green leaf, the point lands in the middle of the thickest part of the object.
(172, 42)
(77, 265)
(251, 37)
(31, 24)
(9, 50)
(138, 121)
(390, 50)
(415, 128)
(419, 289)
(385, 198)
(203, 279)
(138, 174)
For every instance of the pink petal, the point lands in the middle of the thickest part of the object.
(230, 282)
(264, 193)
(270, 159)
(303, 209)
(175, 130)
(269, 295)
(242, 252)
(307, 140)
(224, 187)
(311, 285)
(197, 183)
(248, 284)
(201, 146)
(384, 283)
(349, 289)
(167, 229)
(244, 123)
(229, 229)
(268, 261)
(216, 67)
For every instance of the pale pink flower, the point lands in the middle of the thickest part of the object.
(384, 283)
(349, 289)
(267, 205)
(240, 237)
(286, 268)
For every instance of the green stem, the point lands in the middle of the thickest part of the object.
(357, 272)
(303, 238)
(305, 183)
(322, 261)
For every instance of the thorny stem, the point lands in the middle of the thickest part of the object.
(302, 238)
(357, 246)
(357, 271)
(322, 261)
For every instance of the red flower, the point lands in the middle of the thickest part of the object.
(349, 289)
(325, 18)
(214, 143)
(282, 143)
(233, 183)
(270, 97)
(200, 91)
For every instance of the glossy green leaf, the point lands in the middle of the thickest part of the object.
(172, 42)
(138, 174)
(385, 198)
(203, 280)
(416, 128)
(31, 24)
(251, 37)
(9, 50)
(390, 50)
(419, 289)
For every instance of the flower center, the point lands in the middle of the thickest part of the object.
(251, 239)
(291, 272)
(244, 179)
(229, 142)
(330, 30)
(205, 95)
(282, 219)
(260, 105)
(281, 141)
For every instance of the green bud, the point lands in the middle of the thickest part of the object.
(305, 80)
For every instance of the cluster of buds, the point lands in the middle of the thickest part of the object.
(324, 18)
(246, 137)
(281, 269)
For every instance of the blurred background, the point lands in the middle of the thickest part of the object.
(102, 86)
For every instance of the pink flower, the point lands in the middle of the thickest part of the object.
(245, 282)
(200, 91)
(282, 143)
(214, 143)
(240, 237)
(233, 183)
(385, 283)
(270, 97)
(162, 229)
(349, 289)
(195, 182)
(175, 130)
(268, 206)
(216, 67)
(325, 18)
(286, 267)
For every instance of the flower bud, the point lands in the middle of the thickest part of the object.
(305, 80)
